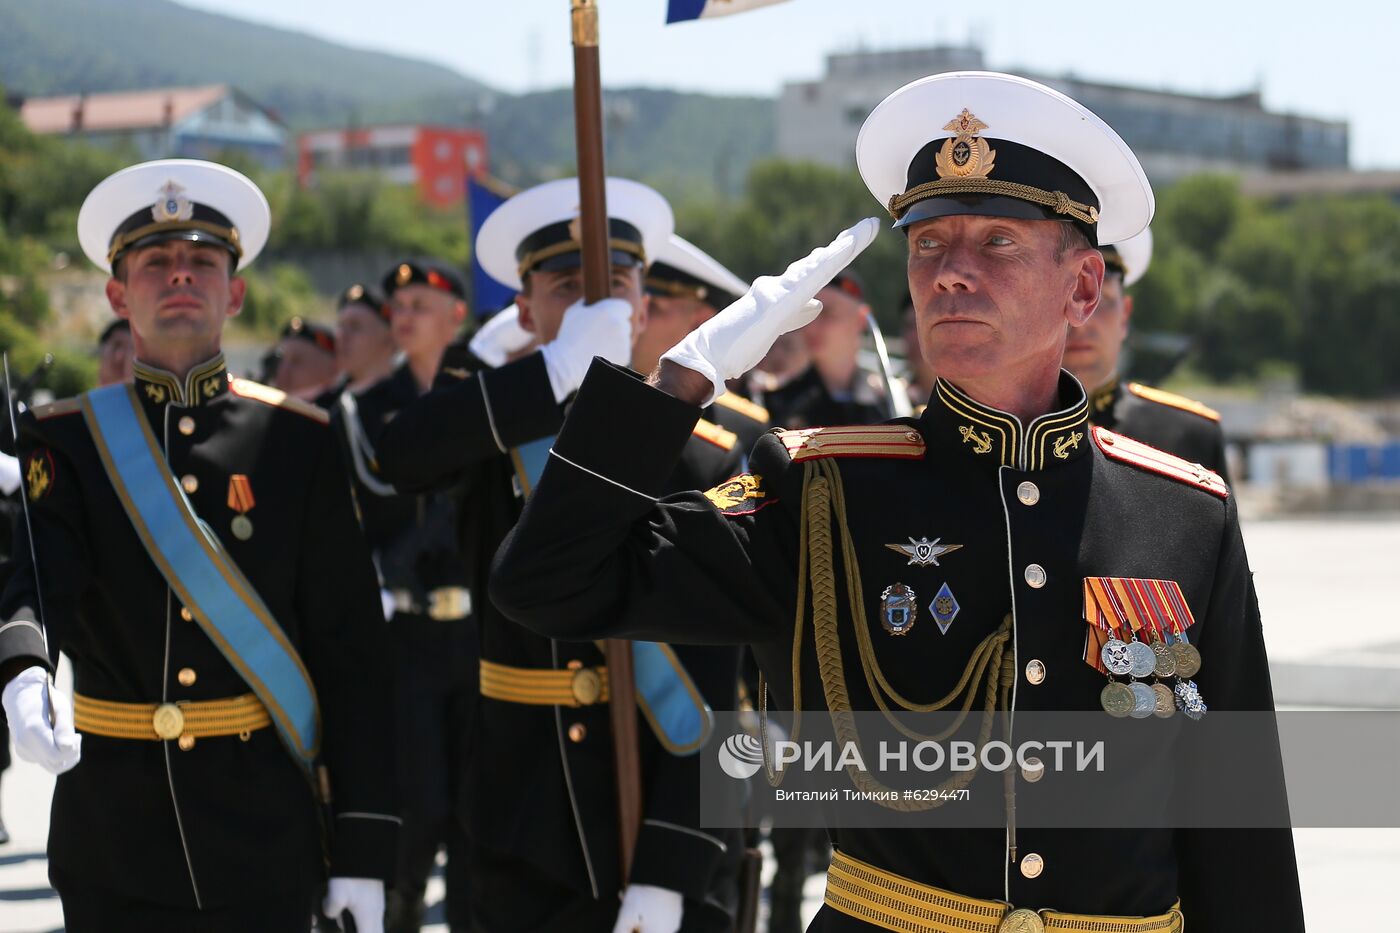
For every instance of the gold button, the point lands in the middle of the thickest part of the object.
(1032, 865)
(1035, 671)
(1106, 439)
(186, 742)
(186, 425)
(574, 665)
(1028, 493)
(577, 732)
(1033, 771)
(1035, 576)
(186, 677)
(186, 614)
(190, 483)
(245, 735)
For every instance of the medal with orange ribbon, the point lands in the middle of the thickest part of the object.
(240, 500)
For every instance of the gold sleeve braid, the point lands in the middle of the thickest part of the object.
(822, 489)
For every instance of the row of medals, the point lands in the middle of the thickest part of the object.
(1159, 661)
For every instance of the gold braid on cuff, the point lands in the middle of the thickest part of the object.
(1057, 201)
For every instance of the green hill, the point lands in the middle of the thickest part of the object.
(67, 46)
(691, 144)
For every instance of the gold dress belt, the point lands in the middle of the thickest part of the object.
(894, 902)
(445, 604)
(581, 686)
(195, 719)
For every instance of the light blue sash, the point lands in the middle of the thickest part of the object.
(673, 707)
(205, 579)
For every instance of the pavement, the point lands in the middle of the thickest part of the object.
(1328, 591)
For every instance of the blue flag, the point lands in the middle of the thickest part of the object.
(483, 197)
(679, 11)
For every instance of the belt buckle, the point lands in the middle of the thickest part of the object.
(168, 721)
(586, 686)
(1022, 920)
(448, 603)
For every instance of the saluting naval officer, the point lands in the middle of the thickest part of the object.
(1165, 420)
(971, 530)
(685, 288)
(544, 820)
(199, 561)
(415, 543)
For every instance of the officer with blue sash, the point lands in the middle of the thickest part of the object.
(228, 744)
(544, 817)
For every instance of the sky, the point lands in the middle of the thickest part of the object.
(1338, 60)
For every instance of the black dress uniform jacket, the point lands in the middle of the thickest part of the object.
(1167, 421)
(228, 820)
(595, 554)
(542, 785)
(806, 402)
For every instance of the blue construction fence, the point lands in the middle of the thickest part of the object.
(1363, 463)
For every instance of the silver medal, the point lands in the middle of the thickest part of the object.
(1116, 656)
(1144, 700)
(1143, 660)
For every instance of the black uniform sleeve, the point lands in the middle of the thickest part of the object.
(465, 420)
(65, 562)
(346, 652)
(1216, 865)
(597, 552)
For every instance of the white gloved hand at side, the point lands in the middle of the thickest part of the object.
(649, 909)
(363, 897)
(26, 698)
(499, 337)
(732, 342)
(603, 329)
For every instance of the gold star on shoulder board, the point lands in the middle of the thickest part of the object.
(923, 552)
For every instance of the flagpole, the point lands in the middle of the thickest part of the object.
(593, 221)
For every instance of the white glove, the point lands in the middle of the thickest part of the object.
(9, 474)
(649, 909)
(603, 329)
(363, 897)
(499, 337)
(732, 342)
(387, 603)
(55, 748)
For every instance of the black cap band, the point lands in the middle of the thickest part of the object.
(558, 246)
(1029, 185)
(203, 225)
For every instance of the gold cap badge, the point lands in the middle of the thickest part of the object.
(172, 205)
(965, 155)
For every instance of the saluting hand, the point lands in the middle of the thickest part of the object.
(732, 342)
(49, 741)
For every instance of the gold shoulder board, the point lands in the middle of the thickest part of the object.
(709, 431)
(1162, 397)
(63, 406)
(1126, 450)
(270, 396)
(895, 441)
(743, 406)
